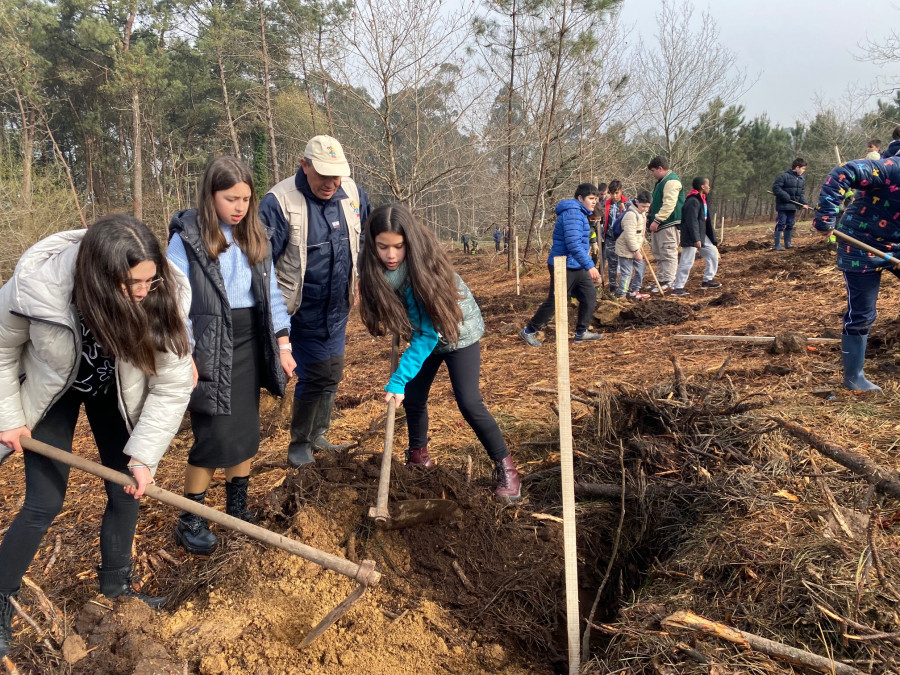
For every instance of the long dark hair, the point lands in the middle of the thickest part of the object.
(431, 278)
(127, 329)
(223, 173)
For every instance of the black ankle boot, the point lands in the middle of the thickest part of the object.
(117, 584)
(236, 499)
(6, 615)
(192, 531)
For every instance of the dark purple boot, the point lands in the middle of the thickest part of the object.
(509, 488)
(419, 457)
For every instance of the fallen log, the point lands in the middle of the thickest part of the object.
(777, 650)
(885, 480)
(747, 338)
(607, 490)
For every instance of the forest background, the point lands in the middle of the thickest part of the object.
(478, 114)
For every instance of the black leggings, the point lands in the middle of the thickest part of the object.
(464, 366)
(46, 480)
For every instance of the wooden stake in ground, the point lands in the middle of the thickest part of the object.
(573, 621)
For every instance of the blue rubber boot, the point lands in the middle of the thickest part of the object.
(787, 238)
(778, 246)
(853, 351)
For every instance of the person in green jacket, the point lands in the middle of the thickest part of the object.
(665, 218)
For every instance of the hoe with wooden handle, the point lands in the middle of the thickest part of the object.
(363, 572)
(411, 511)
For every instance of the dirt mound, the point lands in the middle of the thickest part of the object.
(654, 313)
(726, 299)
(749, 245)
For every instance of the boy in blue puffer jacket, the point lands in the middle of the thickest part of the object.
(571, 238)
(874, 219)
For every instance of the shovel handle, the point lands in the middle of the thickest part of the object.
(865, 247)
(364, 573)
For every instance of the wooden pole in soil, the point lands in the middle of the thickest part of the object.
(516, 253)
(566, 460)
(722, 236)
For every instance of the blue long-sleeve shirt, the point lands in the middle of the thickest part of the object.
(236, 274)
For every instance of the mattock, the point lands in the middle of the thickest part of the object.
(411, 511)
(363, 572)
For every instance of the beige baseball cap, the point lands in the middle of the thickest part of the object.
(327, 156)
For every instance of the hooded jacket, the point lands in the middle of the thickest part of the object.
(572, 235)
(634, 227)
(40, 339)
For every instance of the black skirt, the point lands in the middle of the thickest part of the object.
(222, 441)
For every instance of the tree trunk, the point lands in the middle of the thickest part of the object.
(137, 157)
(510, 203)
(545, 151)
(236, 149)
(270, 121)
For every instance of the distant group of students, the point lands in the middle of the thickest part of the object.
(600, 226)
(246, 296)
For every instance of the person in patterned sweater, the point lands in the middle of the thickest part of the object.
(874, 219)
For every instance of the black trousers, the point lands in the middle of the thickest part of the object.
(578, 286)
(464, 366)
(46, 481)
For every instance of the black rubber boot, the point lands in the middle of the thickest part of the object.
(303, 416)
(192, 531)
(322, 423)
(236, 499)
(117, 584)
(6, 615)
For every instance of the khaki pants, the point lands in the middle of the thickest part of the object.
(664, 245)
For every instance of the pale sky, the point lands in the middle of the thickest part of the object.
(798, 48)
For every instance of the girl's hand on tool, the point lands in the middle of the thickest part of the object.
(10, 438)
(142, 477)
(638, 256)
(194, 374)
(398, 398)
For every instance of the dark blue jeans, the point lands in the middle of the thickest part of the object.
(320, 360)
(784, 220)
(862, 294)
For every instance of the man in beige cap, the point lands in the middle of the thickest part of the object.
(315, 219)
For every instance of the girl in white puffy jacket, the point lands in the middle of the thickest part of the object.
(91, 317)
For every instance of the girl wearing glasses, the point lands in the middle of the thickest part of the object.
(240, 330)
(93, 317)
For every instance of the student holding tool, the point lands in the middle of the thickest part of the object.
(409, 288)
(788, 190)
(91, 317)
(873, 219)
(240, 330)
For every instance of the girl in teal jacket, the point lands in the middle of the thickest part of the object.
(408, 288)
